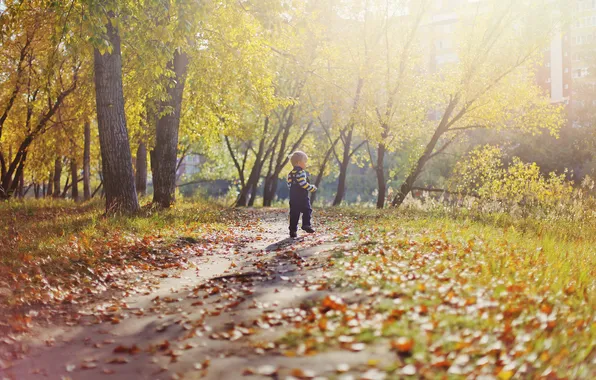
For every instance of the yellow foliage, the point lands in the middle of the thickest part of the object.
(484, 174)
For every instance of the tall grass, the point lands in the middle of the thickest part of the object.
(554, 253)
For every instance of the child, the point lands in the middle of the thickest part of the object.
(299, 189)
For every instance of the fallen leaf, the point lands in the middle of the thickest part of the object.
(267, 370)
(117, 360)
(403, 345)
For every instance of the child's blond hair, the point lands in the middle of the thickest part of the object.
(298, 157)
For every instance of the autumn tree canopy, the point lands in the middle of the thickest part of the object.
(121, 94)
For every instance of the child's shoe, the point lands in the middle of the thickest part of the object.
(308, 229)
(293, 234)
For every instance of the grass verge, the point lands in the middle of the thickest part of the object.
(461, 296)
(56, 251)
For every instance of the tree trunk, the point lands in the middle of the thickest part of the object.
(343, 169)
(57, 175)
(242, 200)
(272, 190)
(21, 190)
(141, 172)
(166, 142)
(87, 163)
(66, 187)
(251, 185)
(36, 190)
(50, 191)
(118, 175)
(380, 170)
(74, 190)
(341, 184)
(319, 178)
(347, 142)
(255, 173)
(99, 187)
(443, 126)
(27, 190)
(253, 192)
(269, 189)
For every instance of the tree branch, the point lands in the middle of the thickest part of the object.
(357, 147)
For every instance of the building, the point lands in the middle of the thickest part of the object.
(567, 60)
(583, 38)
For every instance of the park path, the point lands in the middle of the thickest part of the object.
(218, 320)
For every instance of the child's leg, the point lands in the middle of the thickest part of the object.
(306, 215)
(294, 218)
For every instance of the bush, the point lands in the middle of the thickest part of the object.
(519, 187)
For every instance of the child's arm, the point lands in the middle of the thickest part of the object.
(289, 180)
(304, 183)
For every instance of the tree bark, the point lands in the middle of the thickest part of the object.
(243, 197)
(442, 128)
(319, 178)
(66, 187)
(50, 191)
(347, 142)
(251, 186)
(87, 163)
(57, 175)
(343, 169)
(253, 195)
(74, 190)
(118, 175)
(26, 190)
(166, 142)
(21, 190)
(380, 170)
(141, 172)
(270, 190)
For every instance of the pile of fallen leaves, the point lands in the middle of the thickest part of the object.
(61, 255)
(423, 299)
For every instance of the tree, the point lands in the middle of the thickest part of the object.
(87, 162)
(230, 95)
(393, 88)
(345, 73)
(40, 79)
(491, 86)
(118, 176)
(166, 142)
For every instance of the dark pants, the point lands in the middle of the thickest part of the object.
(297, 207)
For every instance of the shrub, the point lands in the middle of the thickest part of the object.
(519, 187)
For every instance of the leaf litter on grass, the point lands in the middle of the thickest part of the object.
(420, 295)
(426, 298)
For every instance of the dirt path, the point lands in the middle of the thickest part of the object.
(218, 320)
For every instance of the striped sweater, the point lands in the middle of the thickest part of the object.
(298, 176)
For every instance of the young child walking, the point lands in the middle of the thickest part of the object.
(299, 189)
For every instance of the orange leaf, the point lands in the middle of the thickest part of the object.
(403, 345)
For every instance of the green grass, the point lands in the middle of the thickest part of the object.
(466, 283)
(54, 241)
(553, 253)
